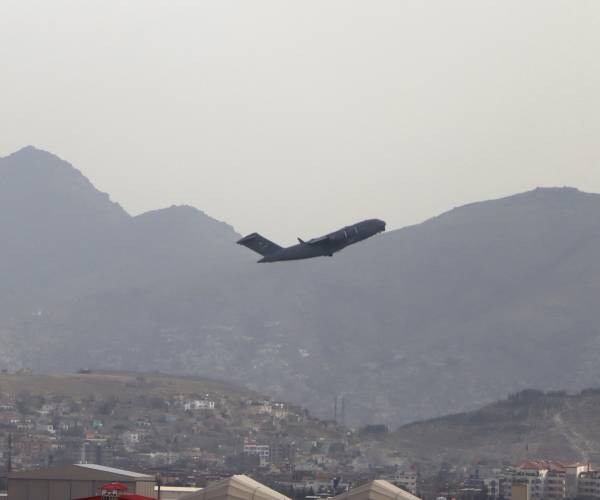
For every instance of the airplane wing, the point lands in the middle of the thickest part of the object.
(316, 241)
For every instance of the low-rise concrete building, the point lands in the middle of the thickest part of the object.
(74, 481)
(589, 484)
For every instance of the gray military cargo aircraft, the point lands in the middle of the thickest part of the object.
(317, 247)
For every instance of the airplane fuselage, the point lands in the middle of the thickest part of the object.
(317, 247)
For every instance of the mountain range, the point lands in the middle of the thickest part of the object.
(444, 316)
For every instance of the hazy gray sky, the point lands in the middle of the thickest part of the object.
(292, 118)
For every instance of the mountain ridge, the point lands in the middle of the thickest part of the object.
(483, 300)
(526, 424)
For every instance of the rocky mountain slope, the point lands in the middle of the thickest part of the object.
(528, 424)
(445, 316)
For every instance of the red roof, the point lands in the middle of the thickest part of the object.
(542, 464)
(122, 496)
(531, 464)
(114, 487)
(125, 496)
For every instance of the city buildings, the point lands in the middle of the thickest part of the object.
(549, 480)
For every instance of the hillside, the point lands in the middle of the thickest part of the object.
(151, 420)
(126, 385)
(528, 424)
(445, 316)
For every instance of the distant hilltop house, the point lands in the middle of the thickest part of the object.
(266, 407)
(263, 451)
(130, 438)
(198, 404)
(45, 427)
(405, 479)
(24, 424)
(97, 423)
(143, 423)
(47, 408)
(192, 403)
(69, 423)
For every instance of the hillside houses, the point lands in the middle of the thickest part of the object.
(266, 407)
(196, 432)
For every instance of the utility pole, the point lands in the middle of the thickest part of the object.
(158, 483)
(335, 402)
(9, 461)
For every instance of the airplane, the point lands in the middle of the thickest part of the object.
(317, 247)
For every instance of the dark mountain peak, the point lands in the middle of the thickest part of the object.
(179, 211)
(554, 190)
(32, 158)
(29, 151)
(544, 195)
(177, 217)
(539, 202)
(44, 181)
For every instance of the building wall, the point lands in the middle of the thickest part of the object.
(555, 487)
(520, 491)
(589, 484)
(145, 488)
(407, 480)
(534, 479)
(174, 493)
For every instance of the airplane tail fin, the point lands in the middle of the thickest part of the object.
(259, 244)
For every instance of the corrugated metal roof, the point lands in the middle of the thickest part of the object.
(180, 489)
(237, 487)
(86, 472)
(376, 490)
(112, 470)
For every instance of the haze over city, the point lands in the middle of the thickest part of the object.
(296, 118)
(419, 182)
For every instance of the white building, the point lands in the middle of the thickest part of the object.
(279, 410)
(130, 438)
(251, 447)
(547, 480)
(407, 480)
(198, 404)
(589, 484)
(531, 472)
